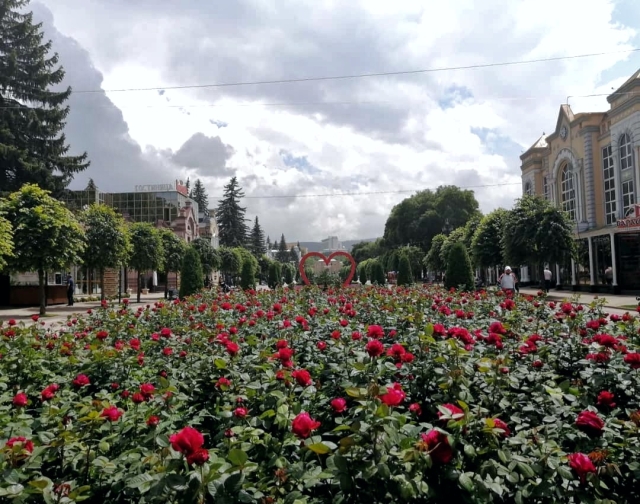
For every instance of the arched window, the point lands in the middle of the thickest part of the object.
(609, 179)
(545, 187)
(568, 192)
(528, 190)
(625, 151)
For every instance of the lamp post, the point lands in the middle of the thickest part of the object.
(446, 229)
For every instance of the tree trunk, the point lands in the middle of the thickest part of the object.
(43, 293)
(166, 286)
(102, 296)
(139, 285)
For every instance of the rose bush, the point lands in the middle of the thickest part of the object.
(356, 395)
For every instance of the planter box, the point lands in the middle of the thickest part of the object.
(28, 295)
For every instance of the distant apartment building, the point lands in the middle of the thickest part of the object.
(331, 244)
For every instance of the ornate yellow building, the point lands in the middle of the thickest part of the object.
(589, 166)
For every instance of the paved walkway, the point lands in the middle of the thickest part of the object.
(58, 314)
(617, 301)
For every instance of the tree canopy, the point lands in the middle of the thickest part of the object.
(417, 219)
(283, 252)
(147, 253)
(209, 258)
(459, 272)
(199, 195)
(6, 242)
(434, 258)
(486, 245)
(46, 235)
(191, 277)
(230, 216)
(257, 244)
(537, 232)
(107, 239)
(174, 249)
(33, 147)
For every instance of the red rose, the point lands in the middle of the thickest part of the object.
(81, 380)
(137, 398)
(147, 390)
(581, 464)
(199, 457)
(321, 345)
(605, 398)
(438, 445)
(167, 351)
(394, 396)
(302, 425)
(187, 441)
(284, 354)
(232, 348)
(633, 359)
(24, 443)
(20, 400)
(223, 382)
(375, 331)
(338, 405)
(111, 413)
(456, 413)
(415, 408)
(240, 412)
(153, 421)
(499, 424)
(302, 376)
(35, 318)
(102, 335)
(49, 392)
(374, 348)
(590, 422)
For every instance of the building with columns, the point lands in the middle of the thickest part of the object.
(589, 166)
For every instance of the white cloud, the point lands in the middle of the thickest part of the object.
(376, 134)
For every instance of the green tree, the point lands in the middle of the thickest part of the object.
(366, 250)
(289, 273)
(405, 277)
(433, 260)
(209, 258)
(268, 244)
(232, 224)
(6, 242)
(248, 269)
(33, 147)
(275, 274)
(536, 232)
(459, 272)
(415, 256)
(456, 236)
(174, 249)
(230, 261)
(376, 273)
(191, 277)
(107, 240)
(417, 219)
(486, 245)
(199, 195)
(257, 244)
(362, 273)
(283, 252)
(147, 254)
(46, 235)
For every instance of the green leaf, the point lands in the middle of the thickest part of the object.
(233, 484)
(466, 482)
(139, 480)
(525, 469)
(237, 457)
(565, 473)
(220, 363)
(354, 392)
(319, 448)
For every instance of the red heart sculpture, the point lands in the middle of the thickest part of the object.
(327, 260)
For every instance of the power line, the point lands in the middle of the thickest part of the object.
(367, 193)
(360, 76)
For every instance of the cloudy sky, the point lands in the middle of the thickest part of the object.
(390, 134)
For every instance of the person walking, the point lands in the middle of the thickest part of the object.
(507, 281)
(70, 288)
(547, 278)
(608, 275)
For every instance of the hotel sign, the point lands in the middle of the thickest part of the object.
(632, 220)
(177, 186)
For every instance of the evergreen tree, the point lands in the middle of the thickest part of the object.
(275, 274)
(405, 277)
(293, 257)
(199, 195)
(230, 216)
(459, 272)
(33, 148)
(362, 273)
(283, 252)
(377, 273)
(191, 277)
(188, 185)
(268, 244)
(257, 244)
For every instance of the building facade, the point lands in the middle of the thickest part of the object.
(589, 167)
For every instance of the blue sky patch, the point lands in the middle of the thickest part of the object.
(300, 163)
(454, 94)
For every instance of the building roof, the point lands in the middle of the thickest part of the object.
(631, 82)
(540, 143)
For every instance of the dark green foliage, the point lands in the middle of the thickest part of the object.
(486, 245)
(362, 273)
(248, 275)
(257, 244)
(366, 250)
(459, 272)
(433, 260)
(275, 274)
(377, 273)
(199, 195)
(209, 258)
(230, 261)
(191, 277)
(33, 148)
(288, 271)
(174, 249)
(147, 253)
(283, 252)
(415, 256)
(230, 216)
(405, 277)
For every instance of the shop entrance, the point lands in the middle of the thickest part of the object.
(628, 260)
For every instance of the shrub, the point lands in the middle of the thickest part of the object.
(459, 272)
(405, 277)
(248, 274)
(275, 274)
(287, 271)
(377, 273)
(191, 276)
(362, 273)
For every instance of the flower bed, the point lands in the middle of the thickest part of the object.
(362, 395)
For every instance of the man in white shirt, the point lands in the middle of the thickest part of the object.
(507, 280)
(547, 278)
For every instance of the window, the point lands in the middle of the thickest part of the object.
(625, 151)
(608, 175)
(628, 196)
(545, 187)
(568, 192)
(527, 188)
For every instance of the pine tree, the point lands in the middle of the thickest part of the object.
(232, 225)
(283, 252)
(33, 148)
(268, 243)
(405, 277)
(257, 245)
(188, 186)
(199, 195)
